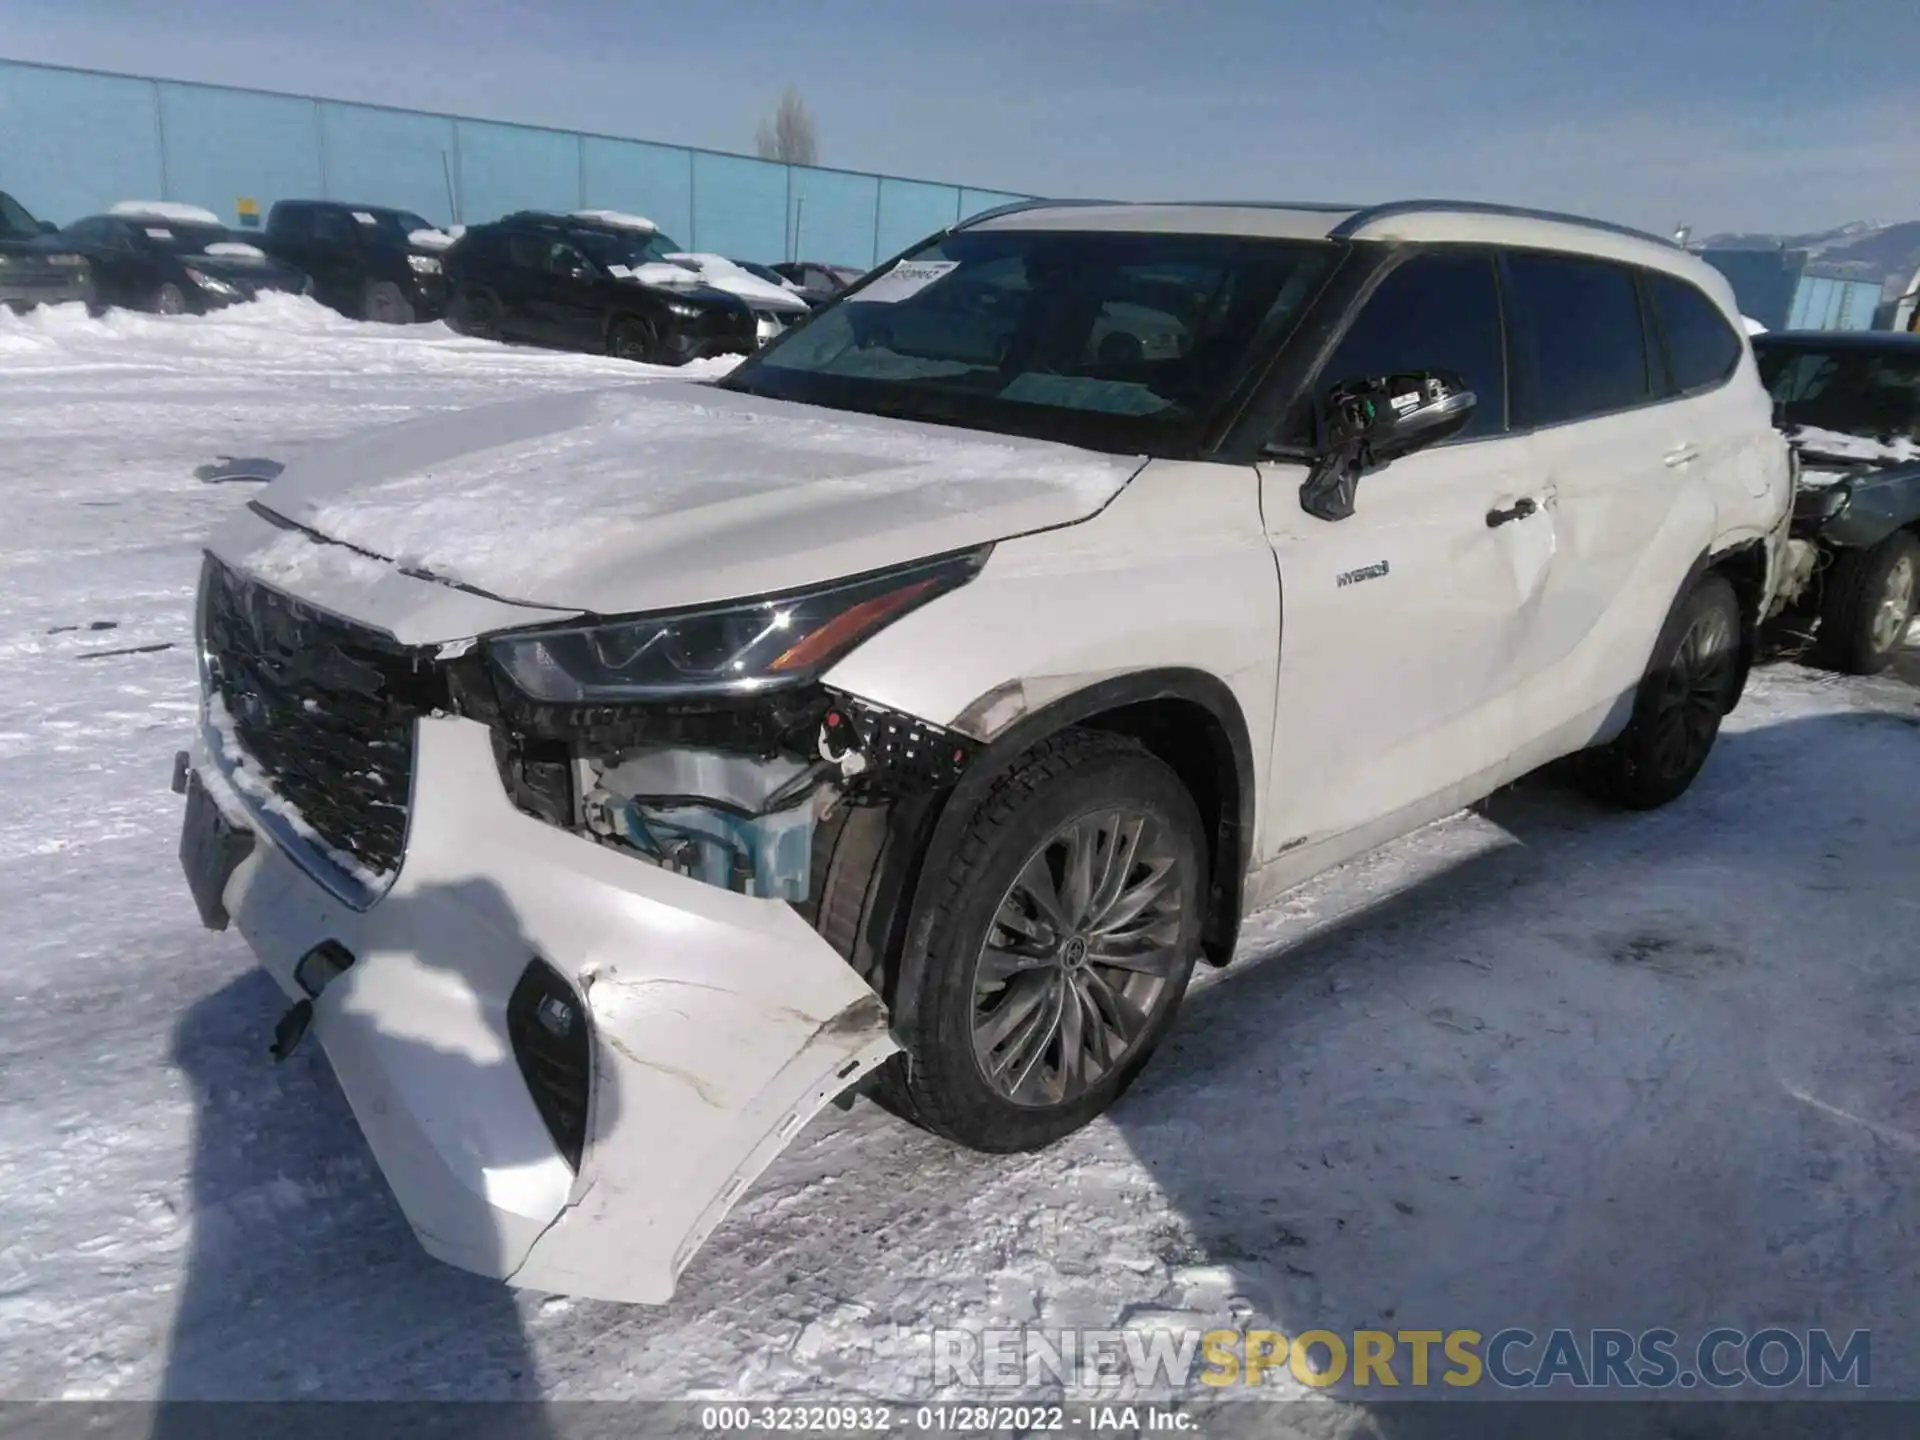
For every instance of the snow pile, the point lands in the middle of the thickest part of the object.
(235, 249)
(166, 211)
(1842, 446)
(619, 219)
(431, 239)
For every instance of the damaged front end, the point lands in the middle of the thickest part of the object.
(704, 743)
(566, 882)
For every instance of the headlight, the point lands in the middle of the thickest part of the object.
(683, 310)
(209, 284)
(746, 647)
(423, 264)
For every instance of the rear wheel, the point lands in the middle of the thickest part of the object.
(1867, 605)
(634, 339)
(477, 316)
(1054, 949)
(1684, 695)
(382, 303)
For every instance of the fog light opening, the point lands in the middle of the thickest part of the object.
(321, 966)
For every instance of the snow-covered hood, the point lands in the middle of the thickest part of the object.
(688, 269)
(1864, 449)
(669, 493)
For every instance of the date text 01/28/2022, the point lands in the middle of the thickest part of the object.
(955, 1419)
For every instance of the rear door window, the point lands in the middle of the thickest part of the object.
(1701, 346)
(1439, 311)
(528, 252)
(1580, 347)
(331, 227)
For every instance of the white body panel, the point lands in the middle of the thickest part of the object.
(1442, 630)
(721, 1024)
(1175, 574)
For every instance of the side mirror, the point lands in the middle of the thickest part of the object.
(47, 227)
(1373, 422)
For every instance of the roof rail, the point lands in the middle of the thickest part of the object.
(1018, 205)
(1315, 206)
(1476, 207)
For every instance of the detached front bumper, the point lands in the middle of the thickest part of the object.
(718, 1023)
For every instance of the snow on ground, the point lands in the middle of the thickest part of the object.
(1536, 1065)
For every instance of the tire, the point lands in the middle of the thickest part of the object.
(1867, 605)
(1076, 793)
(634, 339)
(383, 304)
(475, 316)
(170, 299)
(1686, 692)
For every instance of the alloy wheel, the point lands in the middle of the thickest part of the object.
(1079, 958)
(1895, 611)
(1693, 695)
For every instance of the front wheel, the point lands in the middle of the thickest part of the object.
(383, 304)
(635, 340)
(1867, 605)
(475, 316)
(1685, 693)
(170, 299)
(1054, 949)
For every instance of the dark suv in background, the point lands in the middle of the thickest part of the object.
(33, 272)
(578, 282)
(369, 262)
(172, 262)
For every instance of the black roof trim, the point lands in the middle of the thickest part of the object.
(1347, 227)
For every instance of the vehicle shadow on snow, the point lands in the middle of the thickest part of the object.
(304, 1281)
(1613, 1070)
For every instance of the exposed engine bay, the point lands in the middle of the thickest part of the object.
(731, 792)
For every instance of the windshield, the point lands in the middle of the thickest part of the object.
(629, 248)
(1117, 342)
(1866, 392)
(14, 219)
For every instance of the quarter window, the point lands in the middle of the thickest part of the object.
(1701, 347)
(1578, 335)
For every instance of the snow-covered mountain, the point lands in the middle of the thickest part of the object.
(1884, 250)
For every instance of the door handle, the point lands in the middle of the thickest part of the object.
(1519, 510)
(1682, 455)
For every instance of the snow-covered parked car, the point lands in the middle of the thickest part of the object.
(174, 259)
(1849, 403)
(613, 780)
(776, 303)
(596, 280)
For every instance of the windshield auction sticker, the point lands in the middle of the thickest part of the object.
(909, 277)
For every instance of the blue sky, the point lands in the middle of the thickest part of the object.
(1726, 114)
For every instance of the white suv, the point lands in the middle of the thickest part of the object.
(613, 780)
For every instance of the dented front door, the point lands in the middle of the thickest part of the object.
(1401, 634)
